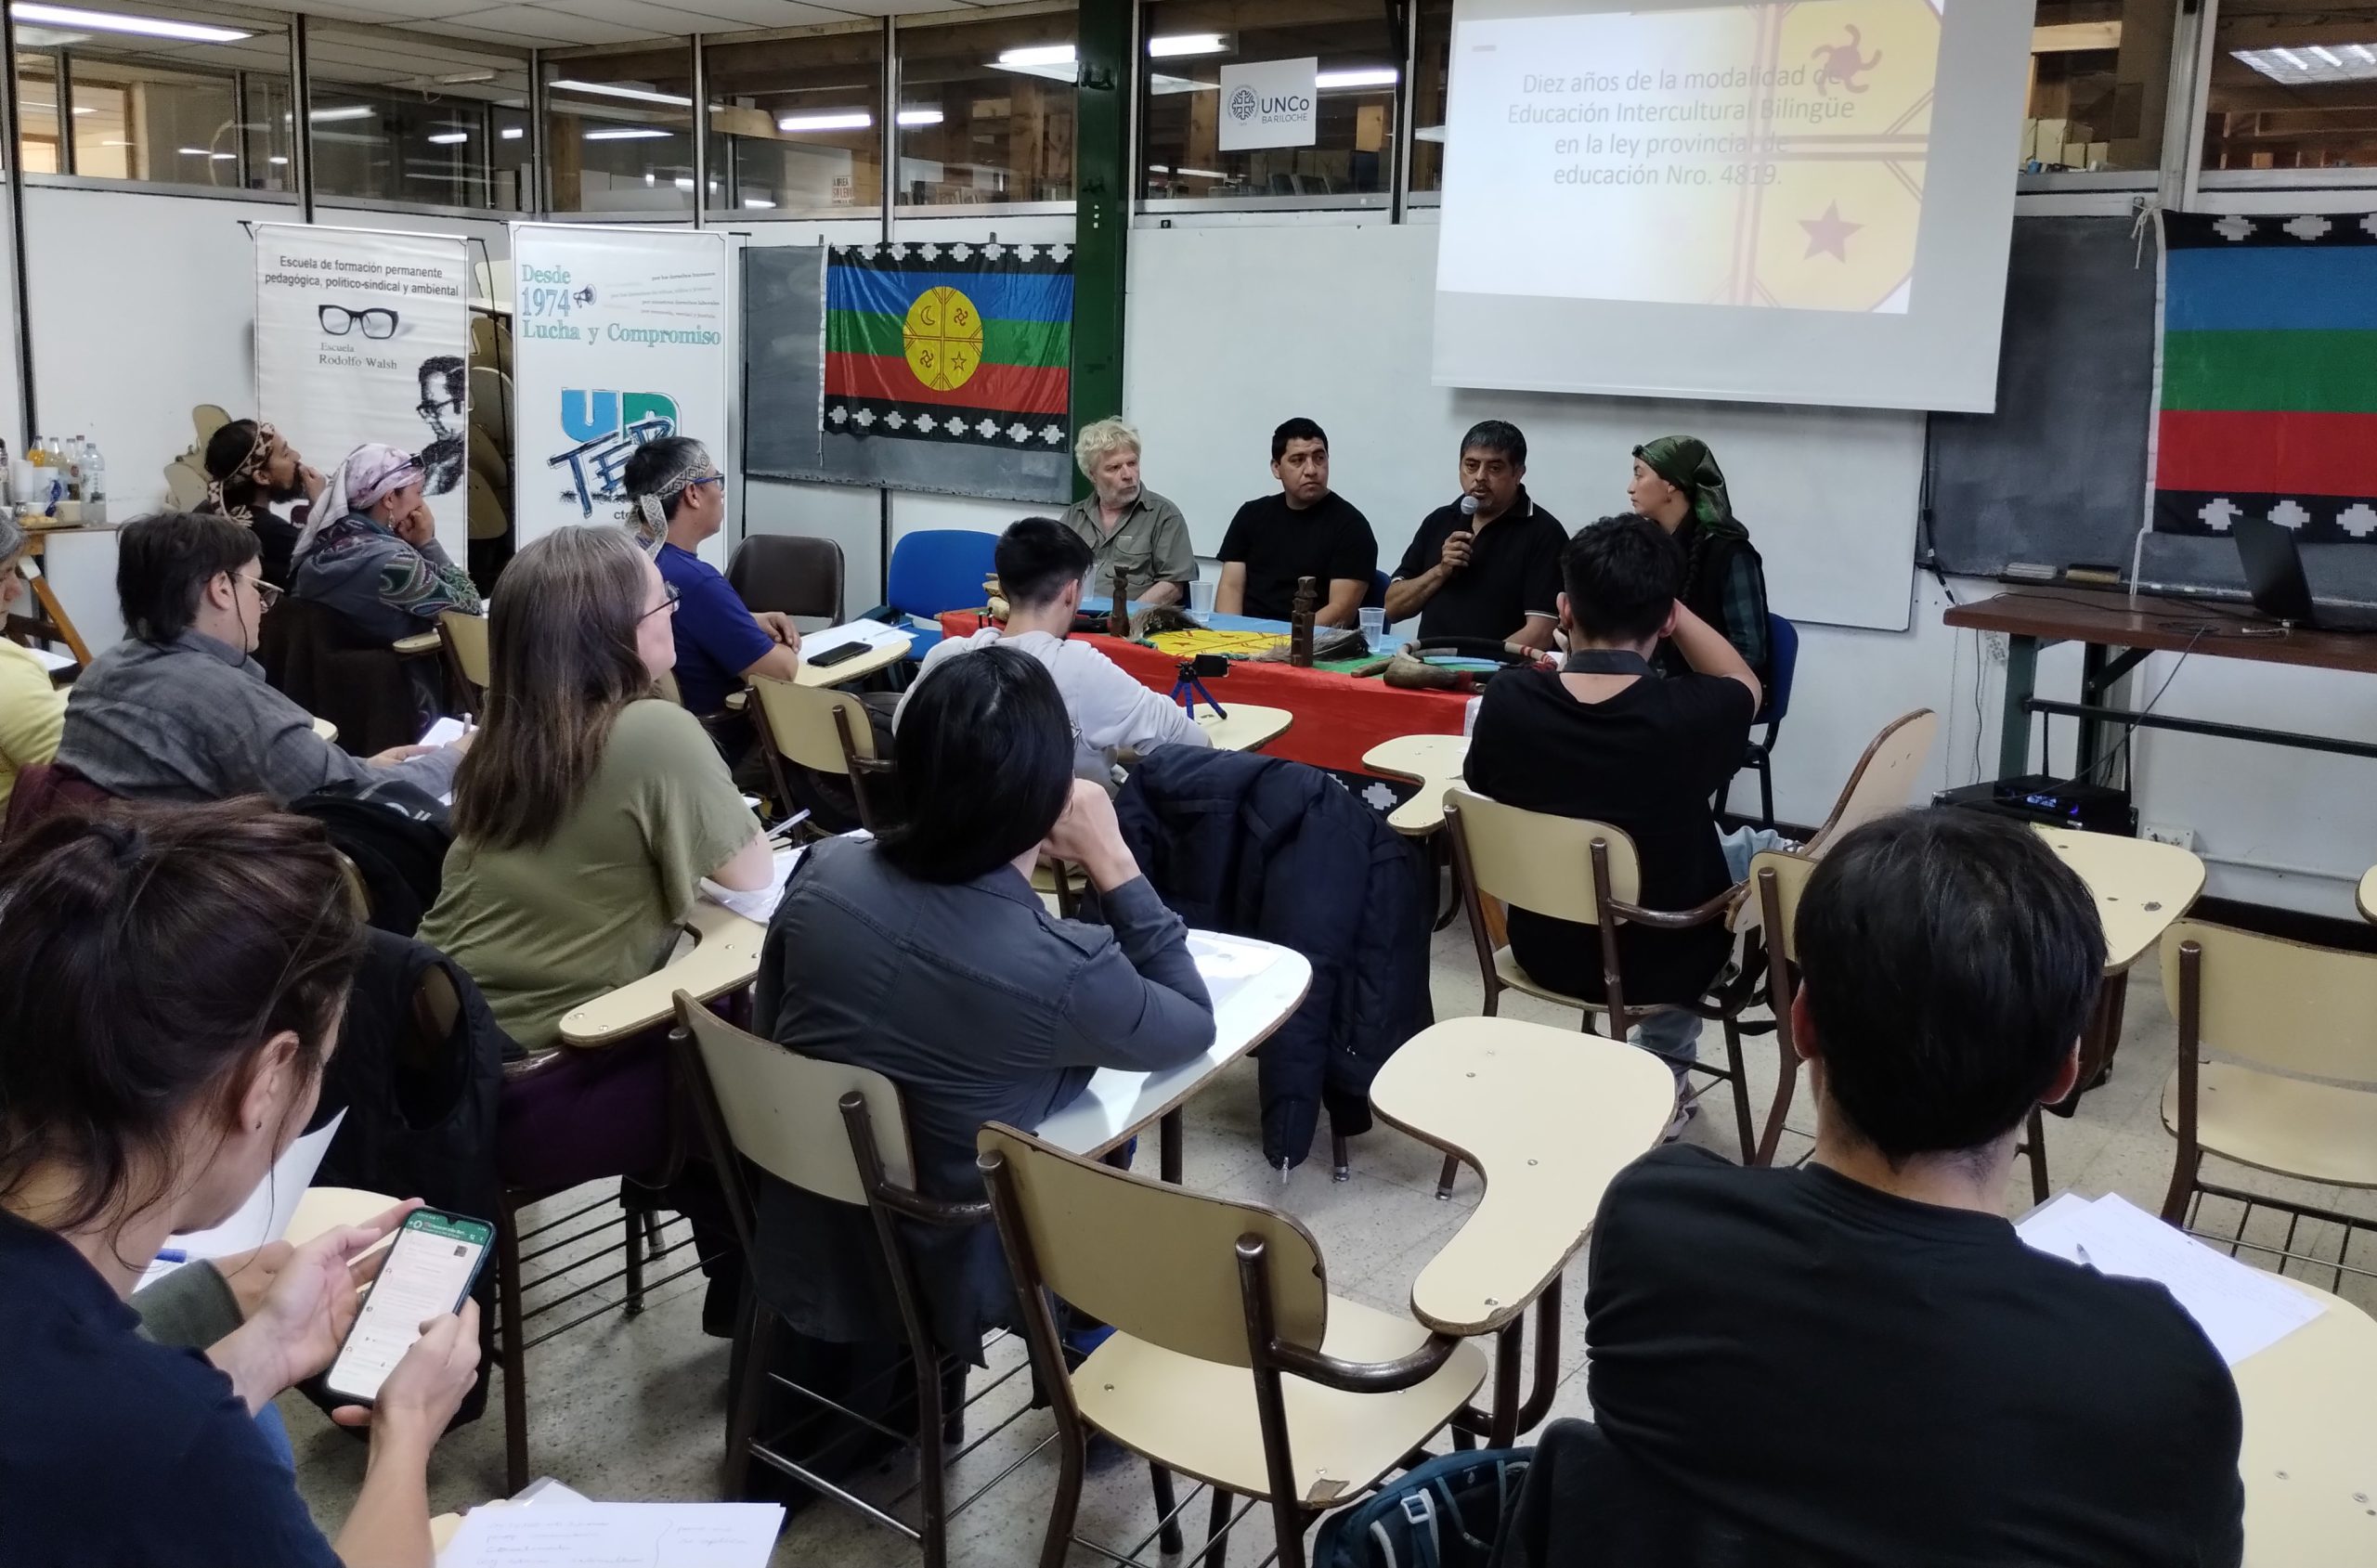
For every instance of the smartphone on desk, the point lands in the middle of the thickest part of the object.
(430, 1267)
(837, 654)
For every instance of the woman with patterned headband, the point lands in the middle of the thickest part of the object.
(251, 468)
(370, 552)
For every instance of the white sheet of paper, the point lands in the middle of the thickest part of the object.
(757, 903)
(617, 1535)
(1227, 964)
(2238, 1307)
(445, 732)
(871, 632)
(266, 1215)
(52, 660)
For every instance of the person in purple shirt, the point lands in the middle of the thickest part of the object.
(677, 499)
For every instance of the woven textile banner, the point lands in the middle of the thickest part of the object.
(2269, 403)
(949, 368)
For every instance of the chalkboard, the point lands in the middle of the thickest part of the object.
(784, 359)
(2057, 473)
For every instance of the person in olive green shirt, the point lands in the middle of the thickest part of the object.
(585, 818)
(1126, 525)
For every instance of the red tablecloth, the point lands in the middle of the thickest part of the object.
(1338, 717)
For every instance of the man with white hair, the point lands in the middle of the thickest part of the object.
(1126, 525)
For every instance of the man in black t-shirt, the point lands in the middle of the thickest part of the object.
(1858, 1362)
(1606, 739)
(1307, 530)
(1488, 566)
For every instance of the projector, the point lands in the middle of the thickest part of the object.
(2035, 797)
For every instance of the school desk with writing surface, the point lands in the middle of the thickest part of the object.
(2116, 634)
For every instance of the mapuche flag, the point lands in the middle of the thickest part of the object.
(956, 344)
(2269, 375)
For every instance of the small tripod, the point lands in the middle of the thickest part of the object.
(1186, 690)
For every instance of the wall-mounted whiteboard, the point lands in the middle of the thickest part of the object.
(1233, 330)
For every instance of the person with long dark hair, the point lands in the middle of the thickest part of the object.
(172, 980)
(1677, 485)
(925, 955)
(251, 468)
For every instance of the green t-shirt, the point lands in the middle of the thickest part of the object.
(544, 927)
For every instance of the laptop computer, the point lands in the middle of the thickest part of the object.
(2274, 577)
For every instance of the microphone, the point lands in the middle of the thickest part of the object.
(1468, 505)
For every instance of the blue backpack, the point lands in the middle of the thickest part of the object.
(1444, 1514)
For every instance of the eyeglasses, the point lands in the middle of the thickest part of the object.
(337, 320)
(668, 597)
(719, 479)
(267, 594)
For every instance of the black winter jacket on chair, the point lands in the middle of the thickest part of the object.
(1261, 846)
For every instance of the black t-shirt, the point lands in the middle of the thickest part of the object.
(114, 1450)
(1278, 544)
(1881, 1382)
(1645, 760)
(1513, 570)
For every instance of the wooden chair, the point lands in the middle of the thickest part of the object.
(1569, 868)
(1230, 1360)
(1777, 883)
(2277, 1070)
(841, 1134)
(464, 638)
(827, 732)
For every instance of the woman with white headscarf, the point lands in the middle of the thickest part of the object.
(369, 549)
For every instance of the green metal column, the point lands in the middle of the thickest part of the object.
(1102, 221)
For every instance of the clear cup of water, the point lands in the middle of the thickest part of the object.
(1374, 623)
(1201, 596)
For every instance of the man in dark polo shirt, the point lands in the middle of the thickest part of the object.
(1126, 525)
(1488, 566)
(1307, 530)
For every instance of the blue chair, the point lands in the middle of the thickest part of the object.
(1376, 598)
(938, 569)
(1782, 664)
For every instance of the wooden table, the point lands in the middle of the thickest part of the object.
(1433, 762)
(725, 957)
(2309, 1457)
(1246, 727)
(1548, 1117)
(883, 655)
(2116, 636)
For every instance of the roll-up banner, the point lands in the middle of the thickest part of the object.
(363, 335)
(621, 337)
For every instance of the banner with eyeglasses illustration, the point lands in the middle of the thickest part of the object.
(619, 337)
(363, 335)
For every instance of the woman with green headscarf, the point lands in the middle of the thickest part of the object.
(1677, 485)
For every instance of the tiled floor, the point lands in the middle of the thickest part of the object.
(634, 1409)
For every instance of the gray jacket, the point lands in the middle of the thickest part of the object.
(193, 719)
(981, 1007)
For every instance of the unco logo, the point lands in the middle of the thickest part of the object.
(1241, 104)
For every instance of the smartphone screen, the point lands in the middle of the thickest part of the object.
(429, 1271)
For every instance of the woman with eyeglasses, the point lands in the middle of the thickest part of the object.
(179, 710)
(251, 468)
(584, 821)
(370, 550)
(677, 499)
(32, 708)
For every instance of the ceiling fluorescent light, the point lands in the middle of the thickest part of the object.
(835, 119)
(1367, 76)
(1038, 53)
(1203, 174)
(196, 151)
(684, 182)
(449, 139)
(513, 133)
(1178, 43)
(2341, 62)
(335, 113)
(760, 203)
(276, 160)
(919, 117)
(610, 90)
(465, 78)
(112, 22)
(625, 132)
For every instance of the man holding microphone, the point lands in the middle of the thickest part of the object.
(1488, 566)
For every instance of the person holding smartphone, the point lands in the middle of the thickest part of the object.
(172, 979)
